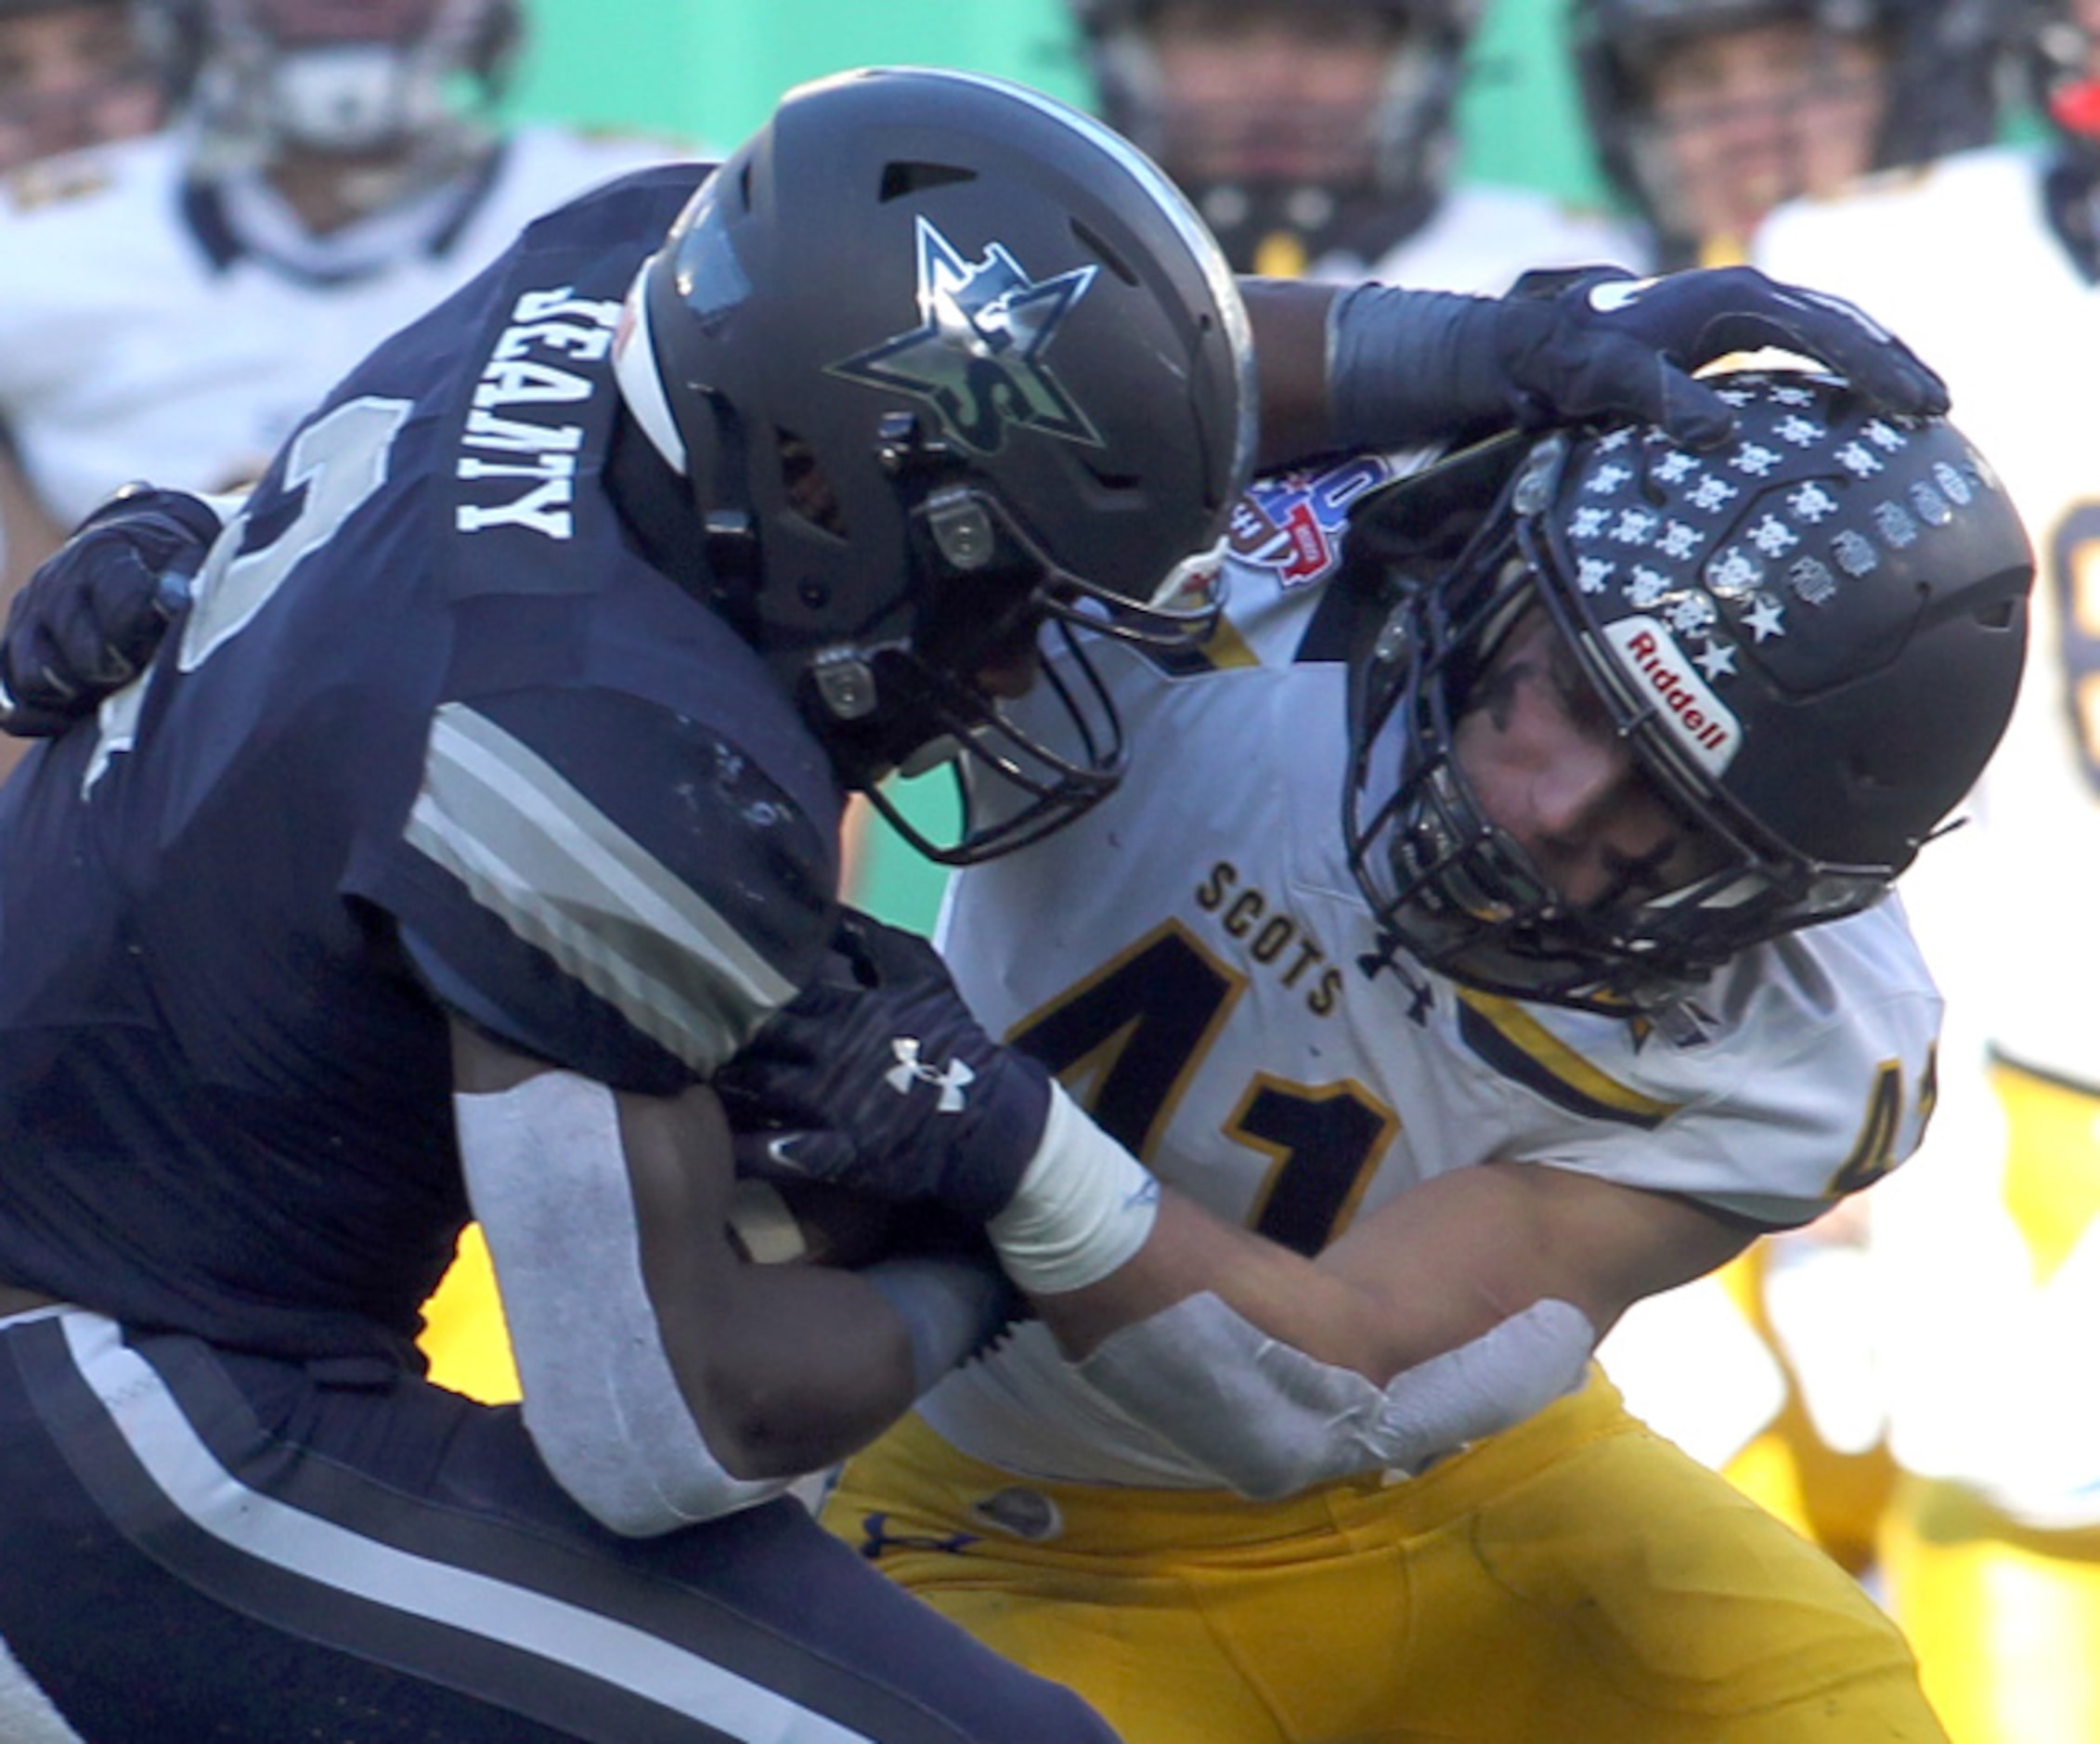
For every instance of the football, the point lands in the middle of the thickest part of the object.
(808, 1223)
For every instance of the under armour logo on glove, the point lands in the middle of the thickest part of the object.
(910, 1070)
(833, 1074)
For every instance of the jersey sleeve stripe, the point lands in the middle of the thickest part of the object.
(1519, 1046)
(563, 876)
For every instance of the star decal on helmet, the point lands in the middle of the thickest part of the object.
(976, 355)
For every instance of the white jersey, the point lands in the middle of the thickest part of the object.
(144, 336)
(1959, 260)
(1991, 1382)
(1483, 238)
(1188, 957)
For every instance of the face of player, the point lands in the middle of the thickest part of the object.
(1270, 93)
(1753, 116)
(69, 77)
(1547, 765)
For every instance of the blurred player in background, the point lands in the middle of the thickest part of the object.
(70, 74)
(173, 307)
(1989, 1253)
(1319, 136)
(1706, 114)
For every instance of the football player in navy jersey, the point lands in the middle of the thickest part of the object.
(485, 805)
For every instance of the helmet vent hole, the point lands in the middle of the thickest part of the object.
(1115, 481)
(2004, 614)
(1094, 243)
(902, 178)
(810, 492)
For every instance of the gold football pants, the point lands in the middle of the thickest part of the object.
(1575, 1581)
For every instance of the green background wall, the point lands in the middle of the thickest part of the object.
(707, 71)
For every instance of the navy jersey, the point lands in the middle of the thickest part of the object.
(433, 735)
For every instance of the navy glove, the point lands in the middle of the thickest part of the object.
(878, 1078)
(88, 620)
(1597, 344)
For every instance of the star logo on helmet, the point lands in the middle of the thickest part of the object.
(1767, 618)
(1717, 659)
(976, 355)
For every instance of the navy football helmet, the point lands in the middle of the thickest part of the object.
(943, 359)
(346, 76)
(1943, 84)
(1812, 642)
(1391, 163)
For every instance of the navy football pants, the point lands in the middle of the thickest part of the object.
(199, 1545)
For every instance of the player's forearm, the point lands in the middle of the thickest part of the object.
(1289, 320)
(1190, 1251)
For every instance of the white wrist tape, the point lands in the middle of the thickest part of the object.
(547, 1175)
(1084, 1207)
(1268, 1420)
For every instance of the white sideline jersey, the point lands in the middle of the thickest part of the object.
(1959, 260)
(1186, 958)
(1483, 237)
(1991, 1384)
(142, 336)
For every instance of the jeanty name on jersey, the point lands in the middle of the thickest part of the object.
(523, 432)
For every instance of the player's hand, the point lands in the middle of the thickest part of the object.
(1408, 368)
(89, 619)
(1603, 344)
(878, 1077)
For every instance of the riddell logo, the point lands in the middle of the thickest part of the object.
(1704, 724)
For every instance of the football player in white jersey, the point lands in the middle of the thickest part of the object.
(1317, 136)
(1634, 739)
(1705, 114)
(1993, 1555)
(70, 75)
(171, 307)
